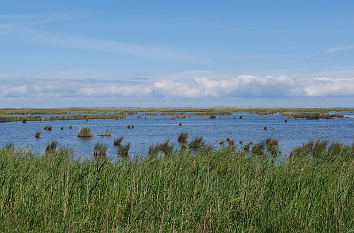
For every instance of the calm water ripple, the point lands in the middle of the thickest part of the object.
(156, 129)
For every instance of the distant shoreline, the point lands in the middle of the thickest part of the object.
(93, 110)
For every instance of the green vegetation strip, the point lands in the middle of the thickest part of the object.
(60, 117)
(205, 191)
(131, 110)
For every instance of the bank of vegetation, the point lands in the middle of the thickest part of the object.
(61, 117)
(193, 189)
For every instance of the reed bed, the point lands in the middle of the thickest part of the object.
(119, 110)
(226, 190)
(24, 119)
(312, 115)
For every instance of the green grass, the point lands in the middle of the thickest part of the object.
(116, 112)
(24, 119)
(121, 113)
(312, 115)
(205, 191)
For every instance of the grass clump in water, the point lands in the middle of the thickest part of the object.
(163, 149)
(10, 146)
(196, 144)
(212, 117)
(107, 133)
(183, 137)
(85, 132)
(100, 151)
(123, 151)
(51, 147)
(48, 127)
(118, 141)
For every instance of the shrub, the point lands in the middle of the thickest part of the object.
(212, 117)
(85, 132)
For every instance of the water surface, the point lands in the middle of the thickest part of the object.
(155, 129)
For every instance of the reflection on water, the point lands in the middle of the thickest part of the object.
(156, 129)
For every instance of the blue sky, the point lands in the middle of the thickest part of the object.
(176, 53)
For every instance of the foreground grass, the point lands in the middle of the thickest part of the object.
(224, 190)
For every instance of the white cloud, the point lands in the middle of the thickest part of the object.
(338, 49)
(248, 86)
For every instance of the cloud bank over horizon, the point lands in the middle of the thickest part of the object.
(247, 86)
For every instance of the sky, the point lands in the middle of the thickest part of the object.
(176, 53)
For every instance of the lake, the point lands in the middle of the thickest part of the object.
(157, 128)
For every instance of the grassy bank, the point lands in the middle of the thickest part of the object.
(120, 113)
(128, 110)
(60, 117)
(203, 191)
